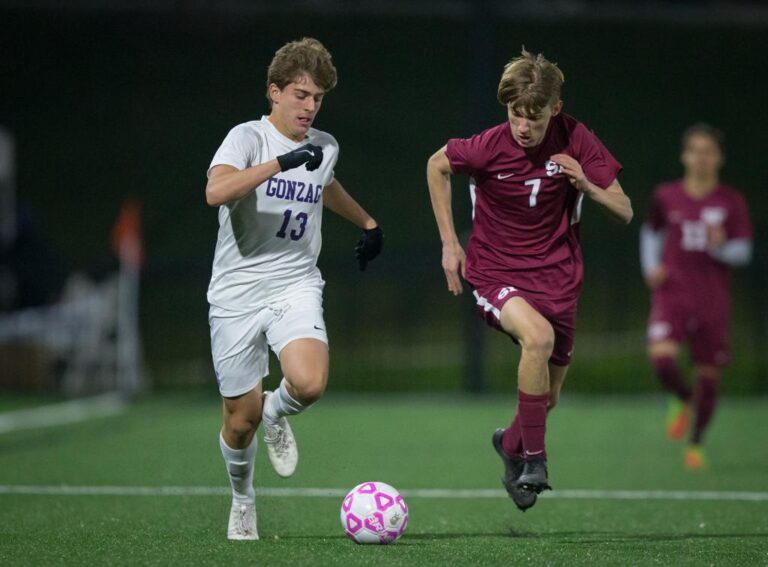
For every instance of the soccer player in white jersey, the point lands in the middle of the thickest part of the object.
(271, 179)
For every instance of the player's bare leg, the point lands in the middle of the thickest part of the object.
(305, 369)
(238, 443)
(536, 338)
(556, 379)
(705, 398)
(664, 358)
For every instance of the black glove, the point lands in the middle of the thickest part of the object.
(369, 246)
(309, 154)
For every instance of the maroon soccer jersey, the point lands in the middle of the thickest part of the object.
(526, 211)
(695, 278)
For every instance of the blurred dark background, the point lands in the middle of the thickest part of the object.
(109, 100)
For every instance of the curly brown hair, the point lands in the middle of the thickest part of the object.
(306, 55)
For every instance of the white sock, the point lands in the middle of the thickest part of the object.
(239, 463)
(280, 404)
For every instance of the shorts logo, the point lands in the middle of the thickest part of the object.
(659, 331)
(505, 292)
(552, 168)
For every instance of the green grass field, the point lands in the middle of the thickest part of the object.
(412, 443)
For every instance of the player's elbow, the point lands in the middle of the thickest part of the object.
(431, 166)
(626, 213)
(438, 164)
(212, 197)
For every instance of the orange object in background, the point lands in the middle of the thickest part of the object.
(126, 235)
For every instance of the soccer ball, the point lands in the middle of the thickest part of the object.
(374, 512)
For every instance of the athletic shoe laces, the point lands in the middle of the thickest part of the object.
(242, 520)
(279, 440)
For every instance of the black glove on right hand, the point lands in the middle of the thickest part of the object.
(369, 246)
(309, 154)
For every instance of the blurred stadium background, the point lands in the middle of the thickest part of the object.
(115, 101)
(110, 112)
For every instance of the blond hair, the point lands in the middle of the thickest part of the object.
(530, 83)
(306, 55)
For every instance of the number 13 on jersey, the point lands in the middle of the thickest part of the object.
(295, 234)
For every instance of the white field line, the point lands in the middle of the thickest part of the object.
(62, 413)
(572, 494)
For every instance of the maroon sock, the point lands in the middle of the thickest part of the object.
(512, 441)
(668, 373)
(532, 411)
(706, 399)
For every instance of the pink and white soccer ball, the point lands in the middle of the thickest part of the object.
(374, 512)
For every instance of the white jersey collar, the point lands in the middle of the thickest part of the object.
(282, 137)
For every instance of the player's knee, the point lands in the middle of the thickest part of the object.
(311, 390)
(662, 351)
(240, 426)
(554, 398)
(540, 341)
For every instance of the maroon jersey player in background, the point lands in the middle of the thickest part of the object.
(523, 259)
(697, 228)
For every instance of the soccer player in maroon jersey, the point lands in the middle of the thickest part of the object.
(523, 261)
(697, 229)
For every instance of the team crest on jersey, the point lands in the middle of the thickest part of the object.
(552, 168)
(713, 215)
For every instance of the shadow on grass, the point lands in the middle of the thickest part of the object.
(566, 537)
(582, 538)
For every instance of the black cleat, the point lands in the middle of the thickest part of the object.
(513, 468)
(534, 476)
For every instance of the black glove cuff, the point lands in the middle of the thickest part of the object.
(287, 161)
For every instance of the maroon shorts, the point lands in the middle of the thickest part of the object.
(561, 314)
(704, 327)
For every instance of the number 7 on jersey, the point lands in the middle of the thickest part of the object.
(535, 184)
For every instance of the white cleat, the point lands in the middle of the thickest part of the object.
(281, 445)
(242, 522)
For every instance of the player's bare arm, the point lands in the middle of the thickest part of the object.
(716, 236)
(371, 242)
(439, 180)
(336, 198)
(611, 198)
(227, 184)
(657, 277)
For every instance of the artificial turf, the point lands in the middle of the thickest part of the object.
(411, 442)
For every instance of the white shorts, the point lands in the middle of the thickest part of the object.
(239, 340)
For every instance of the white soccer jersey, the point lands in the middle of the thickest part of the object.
(269, 241)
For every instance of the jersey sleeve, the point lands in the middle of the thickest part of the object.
(239, 149)
(655, 219)
(335, 158)
(738, 225)
(467, 155)
(600, 167)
